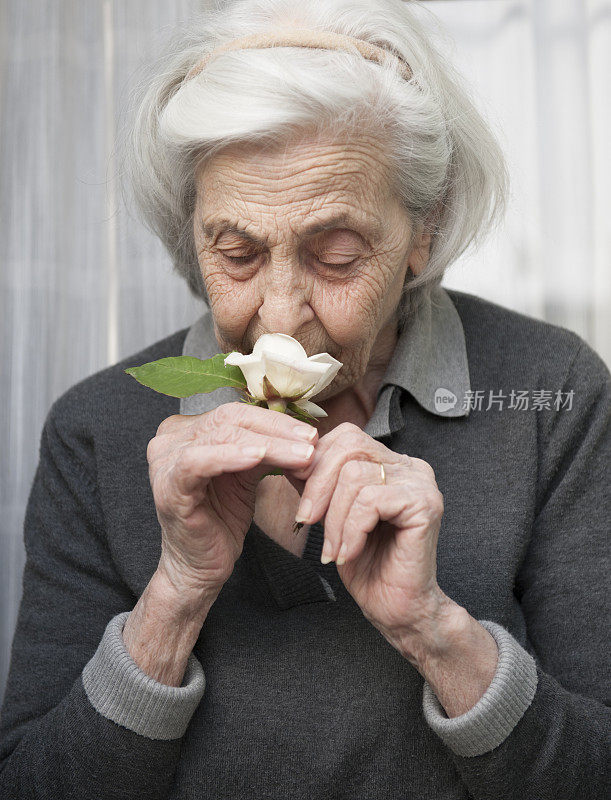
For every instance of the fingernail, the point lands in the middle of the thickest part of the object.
(304, 510)
(325, 557)
(309, 433)
(341, 558)
(302, 450)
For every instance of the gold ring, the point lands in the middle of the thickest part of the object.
(383, 474)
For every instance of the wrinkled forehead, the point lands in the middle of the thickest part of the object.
(352, 170)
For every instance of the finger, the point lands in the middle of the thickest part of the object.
(173, 432)
(259, 420)
(422, 466)
(196, 464)
(329, 457)
(209, 459)
(163, 445)
(181, 429)
(352, 477)
(295, 455)
(413, 510)
(289, 454)
(174, 423)
(361, 520)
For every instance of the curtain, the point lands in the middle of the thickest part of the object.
(540, 71)
(83, 284)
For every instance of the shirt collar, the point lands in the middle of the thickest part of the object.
(429, 362)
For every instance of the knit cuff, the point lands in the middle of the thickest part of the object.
(498, 711)
(122, 692)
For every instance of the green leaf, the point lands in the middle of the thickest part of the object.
(277, 471)
(300, 413)
(182, 376)
(247, 398)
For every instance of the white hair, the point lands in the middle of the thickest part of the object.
(448, 169)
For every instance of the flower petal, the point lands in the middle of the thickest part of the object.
(279, 344)
(334, 367)
(291, 376)
(252, 369)
(311, 408)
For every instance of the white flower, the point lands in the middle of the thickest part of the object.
(279, 367)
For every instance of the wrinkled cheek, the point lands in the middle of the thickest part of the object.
(348, 311)
(233, 303)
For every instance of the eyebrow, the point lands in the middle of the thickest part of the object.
(370, 228)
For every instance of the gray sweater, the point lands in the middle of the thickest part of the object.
(290, 691)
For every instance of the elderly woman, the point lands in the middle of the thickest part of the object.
(438, 627)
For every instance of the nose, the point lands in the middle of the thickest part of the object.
(285, 293)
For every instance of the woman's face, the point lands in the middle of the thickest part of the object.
(306, 239)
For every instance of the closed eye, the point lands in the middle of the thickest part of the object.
(338, 263)
(241, 259)
(333, 266)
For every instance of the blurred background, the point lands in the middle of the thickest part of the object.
(83, 284)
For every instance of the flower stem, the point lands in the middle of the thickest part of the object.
(277, 405)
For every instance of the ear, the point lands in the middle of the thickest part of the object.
(419, 254)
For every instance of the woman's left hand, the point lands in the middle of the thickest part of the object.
(383, 536)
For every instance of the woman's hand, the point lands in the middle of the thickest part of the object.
(382, 536)
(204, 470)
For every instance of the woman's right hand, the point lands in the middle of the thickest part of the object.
(204, 470)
